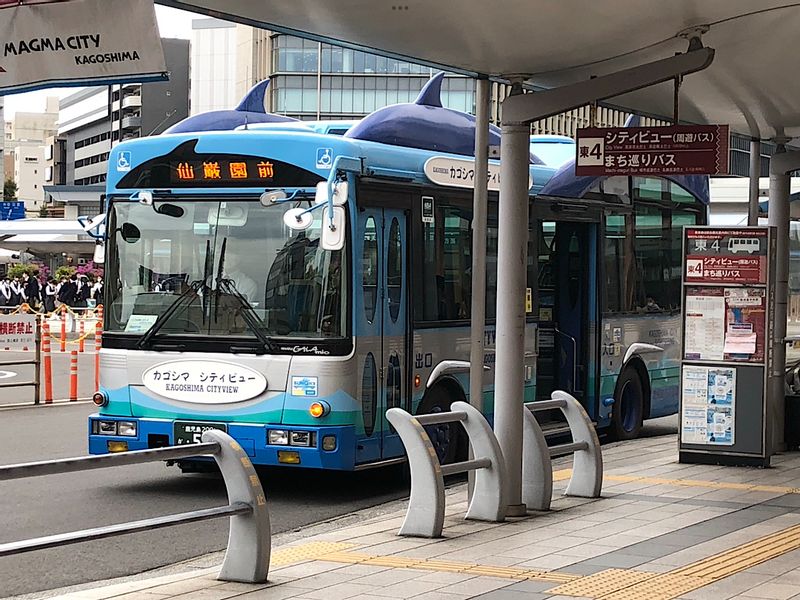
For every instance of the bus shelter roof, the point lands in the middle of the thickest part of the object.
(751, 85)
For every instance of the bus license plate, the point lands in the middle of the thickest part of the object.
(189, 433)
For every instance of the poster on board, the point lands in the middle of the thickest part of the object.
(708, 407)
(704, 337)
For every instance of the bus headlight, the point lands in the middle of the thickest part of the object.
(104, 427)
(100, 398)
(300, 438)
(278, 437)
(126, 428)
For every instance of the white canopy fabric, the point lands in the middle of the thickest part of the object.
(751, 85)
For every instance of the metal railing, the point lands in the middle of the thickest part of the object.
(586, 480)
(249, 540)
(425, 515)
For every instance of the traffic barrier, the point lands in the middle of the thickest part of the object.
(73, 375)
(81, 336)
(249, 540)
(98, 332)
(425, 515)
(47, 363)
(63, 328)
(586, 480)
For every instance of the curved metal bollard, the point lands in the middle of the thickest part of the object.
(425, 515)
(249, 538)
(489, 493)
(537, 469)
(587, 466)
(587, 469)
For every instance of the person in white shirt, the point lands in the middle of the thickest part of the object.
(17, 292)
(50, 291)
(5, 292)
(245, 284)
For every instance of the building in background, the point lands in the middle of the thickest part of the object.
(213, 65)
(24, 152)
(94, 119)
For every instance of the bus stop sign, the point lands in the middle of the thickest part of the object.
(673, 150)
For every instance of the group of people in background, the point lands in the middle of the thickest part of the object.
(74, 291)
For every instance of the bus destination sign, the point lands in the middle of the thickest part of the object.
(726, 255)
(671, 150)
(222, 172)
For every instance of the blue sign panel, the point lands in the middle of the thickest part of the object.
(10, 211)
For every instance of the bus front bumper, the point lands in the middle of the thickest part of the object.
(288, 445)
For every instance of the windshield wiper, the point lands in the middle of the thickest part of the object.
(250, 316)
(147, 336)
(194, 288)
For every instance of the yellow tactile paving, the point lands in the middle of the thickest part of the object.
(620, 584)
(611, 584)
(312, 550)
(716, 485)
(661, 587)
(601, 583)
(745, 556)
(432, 564)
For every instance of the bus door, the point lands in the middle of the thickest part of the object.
(567, 307)
(381, 327)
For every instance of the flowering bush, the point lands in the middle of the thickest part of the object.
(90, 269)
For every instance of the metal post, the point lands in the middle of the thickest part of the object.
(755, 173)
(779, 188)
(37, 387)
(512, 237)
(480, 201)
(479, 227)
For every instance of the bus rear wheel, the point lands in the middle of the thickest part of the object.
(627, 415)
(448, 439)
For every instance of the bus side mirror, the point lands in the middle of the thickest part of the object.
(333, 229)
(99, 255)
(339, 193)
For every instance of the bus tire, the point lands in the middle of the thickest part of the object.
(448, 439)
(627, 415)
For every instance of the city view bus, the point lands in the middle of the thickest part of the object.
(289, 286)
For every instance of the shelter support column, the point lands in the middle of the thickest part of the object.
(780, 166)
(512, 237)
(480, 201)
(755, 173)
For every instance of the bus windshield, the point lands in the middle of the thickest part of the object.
(220, 268)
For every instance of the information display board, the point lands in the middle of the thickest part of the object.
(725, 351)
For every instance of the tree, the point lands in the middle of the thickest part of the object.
(18, 270)
(64, 271)
(10, 189)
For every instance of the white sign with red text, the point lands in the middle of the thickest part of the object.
(18, 332)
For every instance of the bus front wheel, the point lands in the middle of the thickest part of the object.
(628, 413)
(445, 437)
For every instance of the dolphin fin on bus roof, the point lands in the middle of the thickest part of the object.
(431, 93)
(424, 124)
(253, 100)
(249, 111)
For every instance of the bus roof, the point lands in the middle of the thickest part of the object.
(313, 152)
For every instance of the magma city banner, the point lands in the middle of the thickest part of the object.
(78, 42)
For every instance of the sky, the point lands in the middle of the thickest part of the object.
(172, 23)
